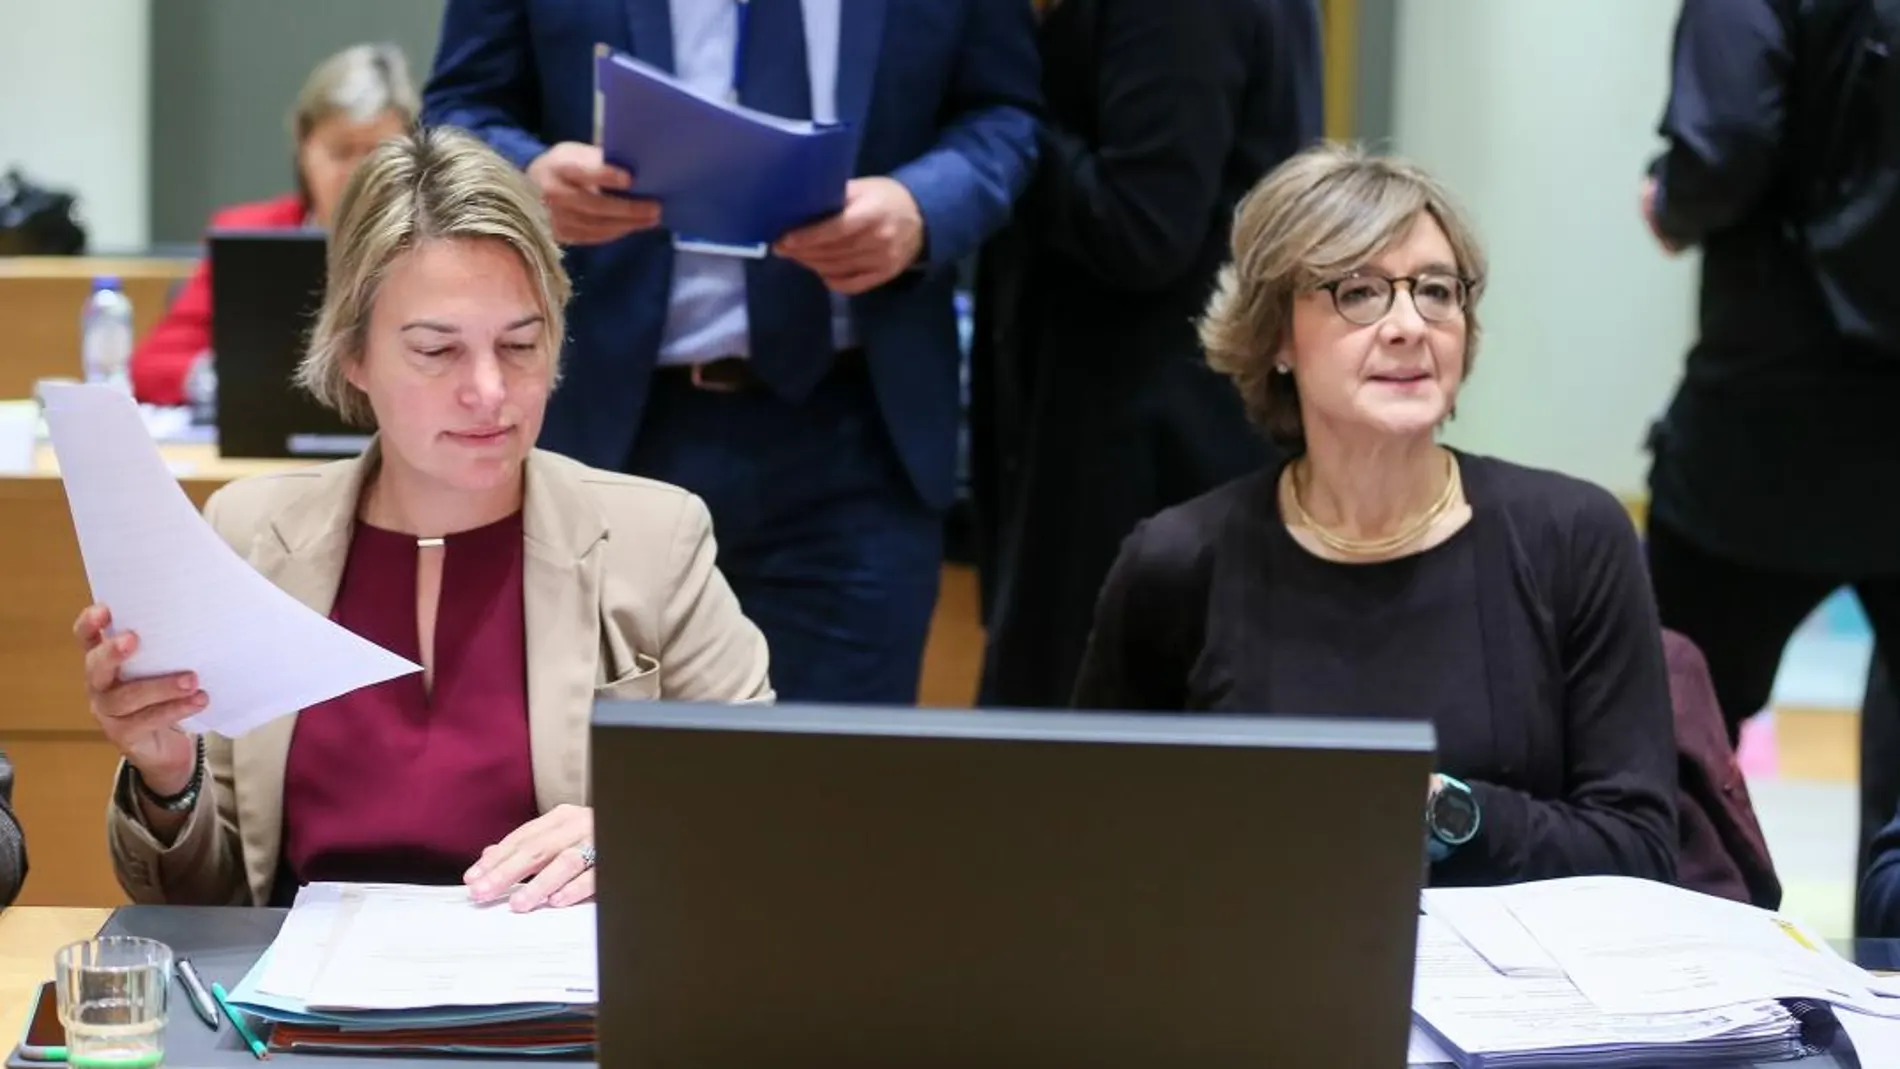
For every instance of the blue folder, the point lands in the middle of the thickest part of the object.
(246, 998)
(725, 175)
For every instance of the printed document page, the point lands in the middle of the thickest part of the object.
(1490, 929)
(1640, 946)
(399, 947)
(302, 945)
(165, 573)
(1424, 1053)
(1480, 1010)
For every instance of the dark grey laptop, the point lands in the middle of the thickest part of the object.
(865, 888)
(266, 288)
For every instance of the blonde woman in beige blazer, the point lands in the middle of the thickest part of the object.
(440, 328)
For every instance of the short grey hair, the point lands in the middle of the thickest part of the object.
(357, 84)
(1323, 213)
(440, 184)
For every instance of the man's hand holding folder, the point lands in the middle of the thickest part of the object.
(730, 177)
(580, 189)
(878, 236)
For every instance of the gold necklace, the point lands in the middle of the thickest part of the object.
(1372, 547)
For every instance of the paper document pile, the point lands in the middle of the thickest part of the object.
(1613, 971)
(389, 968)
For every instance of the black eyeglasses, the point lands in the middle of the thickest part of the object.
(1365, 299)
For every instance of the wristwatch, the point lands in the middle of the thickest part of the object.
(184, 799)
(1451, 818)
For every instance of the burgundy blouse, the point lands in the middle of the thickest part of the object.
(391, 783)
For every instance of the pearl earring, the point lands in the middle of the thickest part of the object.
(1283, 369)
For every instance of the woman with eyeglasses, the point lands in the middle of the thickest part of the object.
(1379, 574)
(351, 102)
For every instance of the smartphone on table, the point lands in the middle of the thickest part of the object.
(45, 1039)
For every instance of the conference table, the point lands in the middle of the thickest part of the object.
(28, 937)
(222, 942)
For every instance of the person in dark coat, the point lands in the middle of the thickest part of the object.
(1773, 480)
(12, 840)
(1091, 407)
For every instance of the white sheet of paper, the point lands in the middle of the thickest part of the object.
(1491, 930)
(303, 942)
(1482, 1010)
(1638, 946)
(1876, 1039)
(196, 605)
(1422, 1053)
(400, 947)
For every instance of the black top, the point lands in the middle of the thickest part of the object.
(1529, 639)
(1777, 415)
(1189, 105)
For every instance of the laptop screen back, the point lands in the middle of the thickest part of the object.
(860, 887)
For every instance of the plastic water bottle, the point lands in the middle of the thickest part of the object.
(201, 389)
(105, 335)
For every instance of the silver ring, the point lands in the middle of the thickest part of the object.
(587, 856)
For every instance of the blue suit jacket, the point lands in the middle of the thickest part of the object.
(953, 117)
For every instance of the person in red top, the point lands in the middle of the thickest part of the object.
(351, 102)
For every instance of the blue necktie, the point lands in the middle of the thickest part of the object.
(787, 306)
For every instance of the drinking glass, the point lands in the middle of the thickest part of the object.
(112, 995)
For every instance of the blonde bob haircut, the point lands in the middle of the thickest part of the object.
(1321, 215)
(357, 84)
(439, 184)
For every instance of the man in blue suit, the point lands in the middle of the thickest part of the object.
(812, 397)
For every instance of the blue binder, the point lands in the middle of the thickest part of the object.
(724, 175)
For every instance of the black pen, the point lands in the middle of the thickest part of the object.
(200, 998)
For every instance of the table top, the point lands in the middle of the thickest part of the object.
(29, 936)
(89, 267)
(188, 461)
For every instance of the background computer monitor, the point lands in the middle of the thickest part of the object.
(266, 289)
(864, 887)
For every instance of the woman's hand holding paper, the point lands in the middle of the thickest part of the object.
(139, 716)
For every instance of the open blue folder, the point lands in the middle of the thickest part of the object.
(724, 174)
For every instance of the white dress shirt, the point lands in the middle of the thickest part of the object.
(706, 316)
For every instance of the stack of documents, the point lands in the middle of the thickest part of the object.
(1482, 1017)
(402, 969)
(1613, 971)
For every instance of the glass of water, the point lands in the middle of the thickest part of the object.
(112, 993)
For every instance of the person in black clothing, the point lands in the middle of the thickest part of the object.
(1091, 408)
(1378, 574)
(1774, 478)
(12, 842)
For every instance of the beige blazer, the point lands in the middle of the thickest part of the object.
(622, 600)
